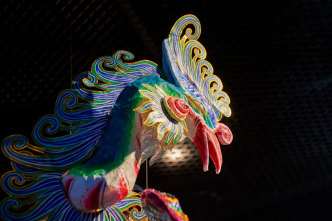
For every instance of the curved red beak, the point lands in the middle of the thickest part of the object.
(208, 145)
(205, 139)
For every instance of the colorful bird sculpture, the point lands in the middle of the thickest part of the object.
(86, 156)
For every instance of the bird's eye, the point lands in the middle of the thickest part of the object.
(182, 106)
(176, 108)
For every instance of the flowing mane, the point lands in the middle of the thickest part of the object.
(66, 138)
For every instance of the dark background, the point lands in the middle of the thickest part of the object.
(273, 58)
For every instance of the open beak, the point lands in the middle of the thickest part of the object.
(208, 145)
(205, 139)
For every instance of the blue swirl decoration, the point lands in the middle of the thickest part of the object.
(65, 139)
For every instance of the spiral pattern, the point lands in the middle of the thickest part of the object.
(65, 139)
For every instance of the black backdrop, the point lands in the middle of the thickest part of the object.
(275, 64)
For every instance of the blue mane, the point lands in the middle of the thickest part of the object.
(68, 136)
